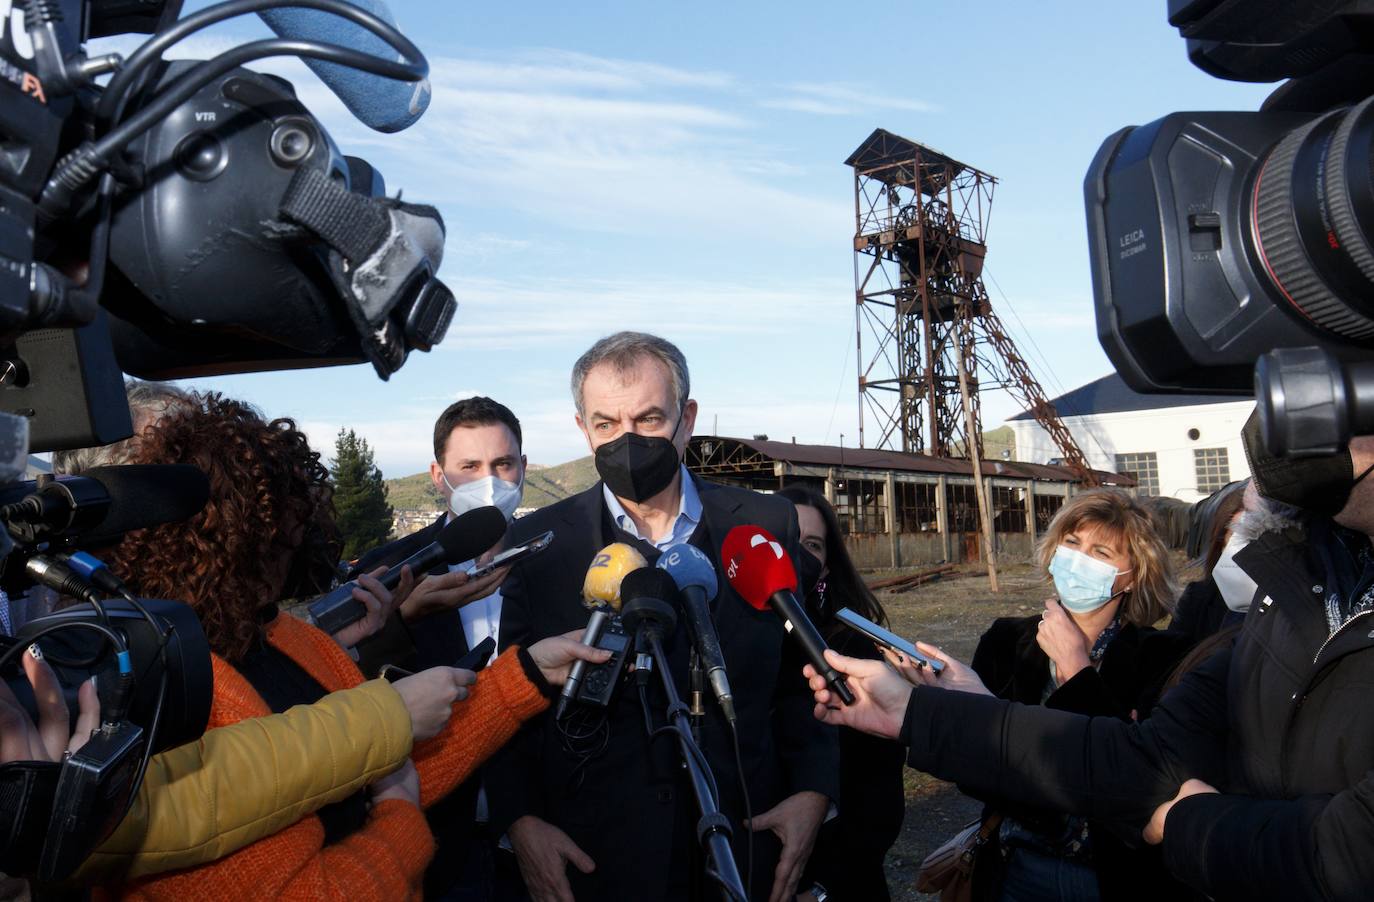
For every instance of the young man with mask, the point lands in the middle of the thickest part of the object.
(1256, 773)
(616, 819)
(477, 462)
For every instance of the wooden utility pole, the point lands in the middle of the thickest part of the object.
(979, 490)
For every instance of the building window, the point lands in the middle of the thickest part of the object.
(1145, 468)
(861, 506)
(1213, 469)
(961, 508)
(916, 507)
(1008, 509)
(1046, 506)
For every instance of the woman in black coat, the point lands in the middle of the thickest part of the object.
(1093, 651)
(847, 861)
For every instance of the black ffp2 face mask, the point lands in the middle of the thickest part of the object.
(1318, 485)
(638, 467)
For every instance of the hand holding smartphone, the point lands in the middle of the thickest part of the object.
(511, 556)
(886, 638)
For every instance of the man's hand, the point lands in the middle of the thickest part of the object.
(1154, 830)
(544, 852)
(23, 740)
(379, 602)
(880, 696)
(1061, 639)
(956, 674)
(554, 656)
(429, 697)
(795, 821)
(446, 591)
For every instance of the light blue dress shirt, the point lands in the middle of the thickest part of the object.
(688, 515)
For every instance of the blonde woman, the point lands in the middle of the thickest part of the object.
(1093, 650)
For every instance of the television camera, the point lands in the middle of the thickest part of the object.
(1234, 252)
(169, 219)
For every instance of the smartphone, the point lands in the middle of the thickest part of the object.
(886, 638)
(511, 556)
(478, 657)
(474, 660)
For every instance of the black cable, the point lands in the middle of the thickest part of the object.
(92, 158)
(725, 887)
(693, 749)
(181, 90)
(19, 647)
(110, 106)
(748, 809)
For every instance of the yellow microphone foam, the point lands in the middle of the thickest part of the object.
(608, 568)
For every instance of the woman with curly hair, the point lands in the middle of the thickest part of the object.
(267, 533)
(1092, 650)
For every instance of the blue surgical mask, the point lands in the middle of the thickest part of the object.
(484, 492)
(1083, 582)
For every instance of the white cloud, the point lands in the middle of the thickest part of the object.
(497, 314)
(843, 99)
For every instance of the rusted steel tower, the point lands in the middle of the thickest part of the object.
(922, 310)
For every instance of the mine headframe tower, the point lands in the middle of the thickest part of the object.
(922, 311)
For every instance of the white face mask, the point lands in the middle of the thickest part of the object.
(485, 492)
(1236, 587)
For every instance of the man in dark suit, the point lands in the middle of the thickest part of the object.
(619, 809)
(477, 462)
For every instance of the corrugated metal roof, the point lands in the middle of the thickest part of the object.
(873, 459)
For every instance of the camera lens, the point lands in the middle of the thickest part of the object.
(1312, 218)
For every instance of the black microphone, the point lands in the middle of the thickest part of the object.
(462, 539)
(103, 503)
(696, 580)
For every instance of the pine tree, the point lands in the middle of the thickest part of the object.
(364, 515)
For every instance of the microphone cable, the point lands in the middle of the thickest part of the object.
(584, 734)
(748, 807)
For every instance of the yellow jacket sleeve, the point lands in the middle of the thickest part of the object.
(239, 783)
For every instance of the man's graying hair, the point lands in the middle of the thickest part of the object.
(623, 350)
(148, 403)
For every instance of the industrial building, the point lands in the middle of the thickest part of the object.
(901, 509)
(1177, 446)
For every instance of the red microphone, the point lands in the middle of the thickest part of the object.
(761, 572)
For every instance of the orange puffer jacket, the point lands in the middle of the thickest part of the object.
(386, 859)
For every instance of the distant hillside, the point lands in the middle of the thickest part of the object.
(413, 493)
(543, 486)
(994, 443)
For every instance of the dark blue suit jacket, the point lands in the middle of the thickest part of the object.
(631, 810)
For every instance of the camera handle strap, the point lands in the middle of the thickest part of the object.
(381, 246)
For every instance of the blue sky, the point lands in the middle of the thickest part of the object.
(678, 168)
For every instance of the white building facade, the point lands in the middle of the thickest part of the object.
(1179, 446)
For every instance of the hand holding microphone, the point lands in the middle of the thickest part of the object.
(761, 572)
(601, 596)
(462, 539)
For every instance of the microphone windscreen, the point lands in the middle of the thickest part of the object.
(470, 533)
(689, 566)
(384, 104)
(608, 569)
(756, 565)
(649, 582)
(145, 495)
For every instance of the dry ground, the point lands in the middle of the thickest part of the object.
(952, 614)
